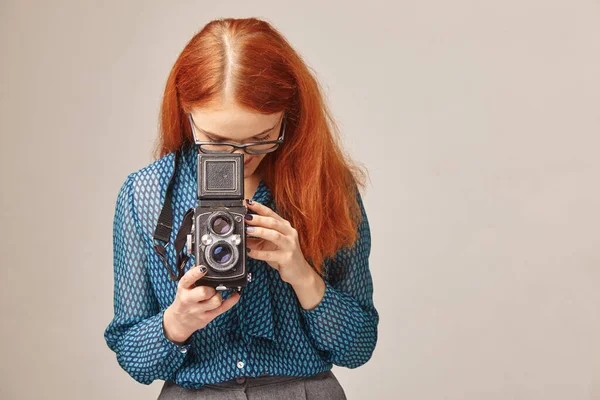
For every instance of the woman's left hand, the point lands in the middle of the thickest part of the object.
(278, 244)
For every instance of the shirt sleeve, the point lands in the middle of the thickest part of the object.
(136, 332)
(343, 326)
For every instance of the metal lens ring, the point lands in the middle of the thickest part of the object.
(221, 223)
(221, 255)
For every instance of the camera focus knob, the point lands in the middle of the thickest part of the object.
(189, 243)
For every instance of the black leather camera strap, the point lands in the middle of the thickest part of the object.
(164, 227)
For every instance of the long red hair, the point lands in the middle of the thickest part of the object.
(313, 181)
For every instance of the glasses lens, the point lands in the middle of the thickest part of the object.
(262, 148)
(252, 149)
(216, 148)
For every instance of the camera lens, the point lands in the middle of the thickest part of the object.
(221, 253)
(221, 225)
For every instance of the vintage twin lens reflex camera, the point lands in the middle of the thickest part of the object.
(218, 233)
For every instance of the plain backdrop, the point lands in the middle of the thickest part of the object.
(479, 122)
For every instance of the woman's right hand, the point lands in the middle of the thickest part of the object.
(194, 307)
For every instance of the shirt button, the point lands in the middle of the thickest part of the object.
(183, 350)
(240, 380)
(240, 364)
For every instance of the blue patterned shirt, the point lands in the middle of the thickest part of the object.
(267, 332)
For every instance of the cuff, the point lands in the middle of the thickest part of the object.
(168, 344)
(322, 307)
(335, 323)
(333, 311)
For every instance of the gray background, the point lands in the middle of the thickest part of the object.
(479, 124)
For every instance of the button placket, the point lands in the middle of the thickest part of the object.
(243, 360)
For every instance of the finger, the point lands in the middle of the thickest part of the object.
(252, 242)
(275, 237)
(261, 209)
(269, 222)
(225, 305)
(211, 303)
(271, 255)
(188, 280)
(201, 293)
(260, 244)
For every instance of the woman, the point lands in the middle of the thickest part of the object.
(309, 304)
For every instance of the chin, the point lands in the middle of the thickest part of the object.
(249, 169)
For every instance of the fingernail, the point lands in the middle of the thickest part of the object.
(249, 229)
(202, 269)
(249, 201)
(248, 217)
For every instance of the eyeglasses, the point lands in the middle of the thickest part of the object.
(250, 148)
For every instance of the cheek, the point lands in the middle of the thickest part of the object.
(256, 159)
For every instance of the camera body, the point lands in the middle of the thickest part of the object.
(218, 233)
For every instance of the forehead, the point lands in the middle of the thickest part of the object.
(233, 122)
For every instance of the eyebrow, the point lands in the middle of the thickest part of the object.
(215, 136)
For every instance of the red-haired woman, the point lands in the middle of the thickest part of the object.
(238, 86)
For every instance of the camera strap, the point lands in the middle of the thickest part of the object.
(163, 229)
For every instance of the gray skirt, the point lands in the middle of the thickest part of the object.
(323, 386)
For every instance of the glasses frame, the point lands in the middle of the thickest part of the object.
(278, 141)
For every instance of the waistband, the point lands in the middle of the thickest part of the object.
(253, 381)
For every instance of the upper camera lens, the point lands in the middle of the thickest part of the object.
(221, 225)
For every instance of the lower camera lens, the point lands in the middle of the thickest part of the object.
(221, 253)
